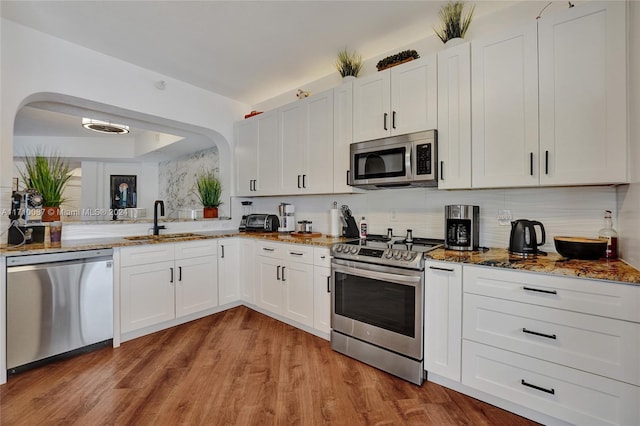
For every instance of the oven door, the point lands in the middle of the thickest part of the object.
(380, 305)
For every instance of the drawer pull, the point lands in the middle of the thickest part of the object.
(323, 257)
(295, 253)
(441, 269)
(539, 290)
(548, 336)
(268, 249)
(552, 391)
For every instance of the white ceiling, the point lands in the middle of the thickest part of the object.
(249, 51)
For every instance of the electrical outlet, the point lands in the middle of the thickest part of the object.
(504, 217)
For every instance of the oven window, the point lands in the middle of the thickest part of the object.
(382, 304)
(380, 164)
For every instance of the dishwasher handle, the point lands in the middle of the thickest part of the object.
(79, 256)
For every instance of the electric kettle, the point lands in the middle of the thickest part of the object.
(524, 240)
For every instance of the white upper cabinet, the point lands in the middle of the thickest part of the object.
(396, 101)
(583, 120)
(454, 117)
(549, 101)
(342, 136)
(258, 159)
(504, 89)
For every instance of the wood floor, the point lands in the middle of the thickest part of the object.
(238, 367)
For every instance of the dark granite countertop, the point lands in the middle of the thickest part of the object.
(553, 263)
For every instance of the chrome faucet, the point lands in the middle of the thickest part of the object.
(156, 228)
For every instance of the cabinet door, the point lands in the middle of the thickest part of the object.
(246, 150)
(371, 103)
(443, 319)
(228, 270)
(293, 131)
(247, 270)
(454, 117)
(269, 156)
(146, 295)
(196, 284)
(414, 96)
(322, 299)
(583, 137)
(298, 288)
(270, 291)
(342, 136)
(504, 85)
(317, 175)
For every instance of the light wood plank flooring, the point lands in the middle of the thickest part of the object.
(238, 367)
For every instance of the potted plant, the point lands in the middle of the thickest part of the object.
(452, 23)
(47, 174)
(209, 191)
(349, 63)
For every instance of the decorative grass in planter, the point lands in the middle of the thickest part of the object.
(452, 23)
(397, 59)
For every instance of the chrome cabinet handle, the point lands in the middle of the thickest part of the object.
(537, 333)
(552, 391)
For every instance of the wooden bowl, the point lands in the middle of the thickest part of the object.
(580, 247)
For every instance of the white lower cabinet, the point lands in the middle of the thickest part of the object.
(285, 280)
(443, 319)
(565, 393)
(565, 347)
(228, 270)
(160, 282)
(322, 290)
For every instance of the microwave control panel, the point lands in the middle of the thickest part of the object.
(423, 159)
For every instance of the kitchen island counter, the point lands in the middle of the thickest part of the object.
(552, 263)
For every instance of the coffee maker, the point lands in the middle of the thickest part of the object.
(461, 225)
(286, 212)
(23, 230)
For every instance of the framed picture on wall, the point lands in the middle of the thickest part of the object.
(124, 192)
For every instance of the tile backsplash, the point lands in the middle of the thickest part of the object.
(576, 211)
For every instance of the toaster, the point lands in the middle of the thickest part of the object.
(258, 222)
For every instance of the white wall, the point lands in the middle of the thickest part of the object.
(35, 66)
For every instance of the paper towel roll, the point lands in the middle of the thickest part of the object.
(334, 223)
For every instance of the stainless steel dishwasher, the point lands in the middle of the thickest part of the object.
(58, 305)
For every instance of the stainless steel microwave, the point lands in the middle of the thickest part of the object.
(395, 162)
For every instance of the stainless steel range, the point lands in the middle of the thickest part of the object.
(377, 313)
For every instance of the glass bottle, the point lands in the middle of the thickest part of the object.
(363, 228)
(611, 235)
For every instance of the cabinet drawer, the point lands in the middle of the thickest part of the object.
(603, 346)
(603, 298)
(197, 248)
(565, 393)
(274, 250)
(150, 253)
(321, 257)
(298, 253)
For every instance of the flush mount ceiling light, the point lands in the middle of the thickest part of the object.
(104, 126)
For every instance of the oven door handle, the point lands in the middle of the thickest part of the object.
(410, 278)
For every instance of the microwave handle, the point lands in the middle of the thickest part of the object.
(408, 161)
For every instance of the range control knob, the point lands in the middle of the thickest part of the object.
(409, 255)
(354, 250)
(388, 254)
(397, 255)
(338, 249)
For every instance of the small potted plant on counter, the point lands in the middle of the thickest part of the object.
(48, 175)
(209, 191)
(349, 64)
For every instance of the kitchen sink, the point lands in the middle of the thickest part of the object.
(161, 236)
